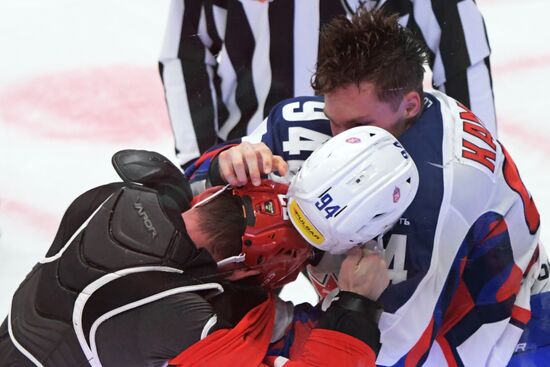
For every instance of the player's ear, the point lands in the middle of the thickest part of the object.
(241, 274)
(413, 104)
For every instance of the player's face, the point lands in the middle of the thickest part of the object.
(350, 106)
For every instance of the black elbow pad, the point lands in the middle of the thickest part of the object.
(155, 171)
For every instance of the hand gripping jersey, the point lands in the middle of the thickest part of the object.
(247, 344)
(465, 253)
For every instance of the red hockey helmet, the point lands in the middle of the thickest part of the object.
(270, 243)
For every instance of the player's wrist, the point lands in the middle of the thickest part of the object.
(356, 302)
(214, 176)
(355, 315)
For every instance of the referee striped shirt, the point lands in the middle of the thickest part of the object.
(226, 63)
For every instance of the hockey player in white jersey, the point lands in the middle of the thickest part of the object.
(466, 252)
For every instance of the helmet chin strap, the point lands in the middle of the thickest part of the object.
(380, 244)
(232, 260)
(211, 197)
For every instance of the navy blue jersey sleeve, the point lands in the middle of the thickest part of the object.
(293, 130)
(533, 348)
(198, 171)
(296, 127)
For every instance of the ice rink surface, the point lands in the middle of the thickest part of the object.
(79, 81)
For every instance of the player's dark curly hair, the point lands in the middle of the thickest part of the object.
(370, 47)
(222, 219)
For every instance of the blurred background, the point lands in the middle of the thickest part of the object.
(79, 81)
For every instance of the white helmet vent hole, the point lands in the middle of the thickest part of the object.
(357, 181)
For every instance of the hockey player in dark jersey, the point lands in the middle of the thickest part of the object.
(121, 260)
(127, 282)
(465, 255)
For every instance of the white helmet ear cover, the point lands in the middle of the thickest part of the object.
(352, 189)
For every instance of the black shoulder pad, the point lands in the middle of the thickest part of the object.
(155, 171)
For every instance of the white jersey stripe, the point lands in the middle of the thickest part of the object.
(305, 50)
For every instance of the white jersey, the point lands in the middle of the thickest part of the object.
(464, 255)
(472, 303)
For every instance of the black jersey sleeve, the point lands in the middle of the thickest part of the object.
(356, 316)
(154, 333)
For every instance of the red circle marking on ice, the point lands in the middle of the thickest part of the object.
(31, 215)
(112, 104)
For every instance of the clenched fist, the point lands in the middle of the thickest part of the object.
(364, 274)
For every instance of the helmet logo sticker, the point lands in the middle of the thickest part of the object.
(353, 140)
(268, 207)
(396, 194)
(304, 226)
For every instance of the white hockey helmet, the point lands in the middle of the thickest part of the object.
(351, 189)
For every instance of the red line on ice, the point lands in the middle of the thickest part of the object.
(533, 139)
(118, 104)
(518, 65)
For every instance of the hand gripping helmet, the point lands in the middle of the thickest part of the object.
(270, 243)
(352, 189)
